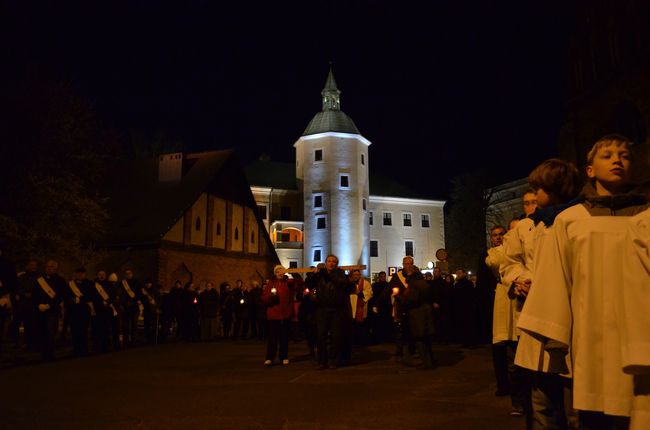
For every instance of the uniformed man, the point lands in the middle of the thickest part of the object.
(131, 298)
(23, 304)
(151, 306)
(105, 311)
(7, 286)
(49, 292)
(79, 307)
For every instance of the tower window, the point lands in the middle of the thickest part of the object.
(318, 155)
(293, 264)
(374, 248)
(321, 223)
(425, 221)
(388, 218)
(197, 224)
(236, 233)
(406, 220)
(317, 256)
(318, 201)
(408, 248)
(218, 229)
(363, 159)
(344, 182)
(371, 218)
(363, 203)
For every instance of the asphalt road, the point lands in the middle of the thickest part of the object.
(224, 385)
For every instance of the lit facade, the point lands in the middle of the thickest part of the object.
(329, 205)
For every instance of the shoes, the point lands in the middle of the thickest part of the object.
(332, 367)
(268, 363)
(285, 362)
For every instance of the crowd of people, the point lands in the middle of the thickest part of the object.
(571, 315)
(562, 295)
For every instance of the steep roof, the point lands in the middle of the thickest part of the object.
(142, 209)
(272, 174)
(331, 120)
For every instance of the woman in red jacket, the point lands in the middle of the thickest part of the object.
(278, 296)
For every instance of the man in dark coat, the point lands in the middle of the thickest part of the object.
(105, 311)
(441, 302)
(23, 303)
(465, 307)
(150, 310)
(209, 311)
(380, 310)
(131, 297)
(332, 296)
(418, 300)
(79, 307)
(49, 292)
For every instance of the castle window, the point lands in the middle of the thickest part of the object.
(293, 264)
(374, 248)
(344, 182)
(317, 256)
(363, 160)
(318, 155)
(387, 218)
(371, 218)
(321, 223)
(318, 201)
(218, 229)
(236, 233)
(197, 224)
(425, 221)
(406, 220)
(408, 248)
(363, 203)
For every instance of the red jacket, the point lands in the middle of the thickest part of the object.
(285, 289)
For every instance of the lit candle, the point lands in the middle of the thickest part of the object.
(274, 290)
(395, 290)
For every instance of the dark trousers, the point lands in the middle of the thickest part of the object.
(150, 325)
(100, 327)
(347, 339)
(549, 398)
(500, 364)
(79, 320)
(130, 325)
(311, 336)
(590, 420)
(520, 382)
(47, 324)
(227, 326)
(278, 334)
(329, 323)
(23, 313)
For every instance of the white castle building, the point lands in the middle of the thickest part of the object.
(330, 202)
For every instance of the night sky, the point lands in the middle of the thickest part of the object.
(439, 90)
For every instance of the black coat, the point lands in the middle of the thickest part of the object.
(417, 300)
(333, 290)
(209, 303)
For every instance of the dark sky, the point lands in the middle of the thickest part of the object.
(439, 89)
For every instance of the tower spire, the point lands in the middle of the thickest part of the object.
(331, 94)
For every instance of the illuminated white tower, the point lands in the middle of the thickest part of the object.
(332, 170)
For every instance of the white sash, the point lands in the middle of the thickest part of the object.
(402, 279)
(101, 291)
(151, 299)
(75, 289)
(128, 289)
(46, 287)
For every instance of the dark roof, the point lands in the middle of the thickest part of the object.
(331, 120)
(385, 187)
(272, 174)
(142, 209)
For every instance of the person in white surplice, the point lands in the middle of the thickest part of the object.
(579, 300)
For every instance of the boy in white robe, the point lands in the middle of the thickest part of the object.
(557, 184)
(580, 283)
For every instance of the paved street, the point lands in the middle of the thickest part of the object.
(224, 385)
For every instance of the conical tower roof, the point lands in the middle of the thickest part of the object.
(331, 118)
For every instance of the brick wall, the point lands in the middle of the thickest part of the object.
(210, 265)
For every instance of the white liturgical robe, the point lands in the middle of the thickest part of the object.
(581, 304)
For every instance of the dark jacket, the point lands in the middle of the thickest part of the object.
(417, 301)
(209, 303)
(333, 290)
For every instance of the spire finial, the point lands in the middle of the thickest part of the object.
(331, 93)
